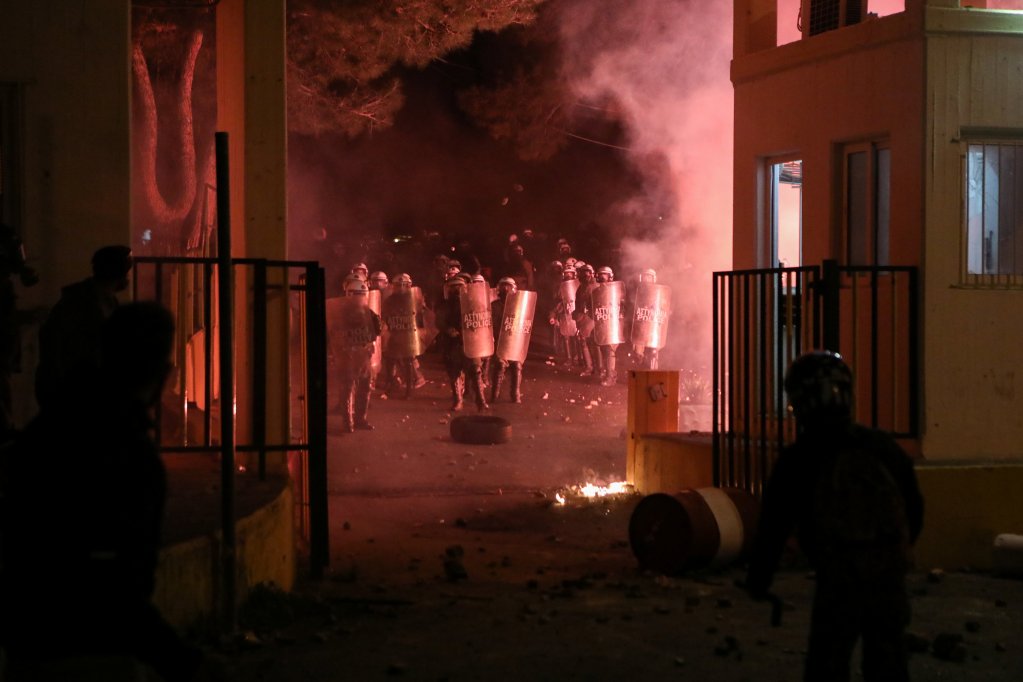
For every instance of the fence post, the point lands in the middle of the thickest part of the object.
(316, 414)
(828, 292)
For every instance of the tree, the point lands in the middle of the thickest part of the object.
(342, 54)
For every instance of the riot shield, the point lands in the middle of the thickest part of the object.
(650, 315)
(378, 345)
(477, 325)
(566, 294)
(517, 326)
(401, 330)
(350, 330)
(607, 313)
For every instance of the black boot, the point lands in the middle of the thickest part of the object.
(496, 379)
(516, 383)
(362, 392)
(457, 389)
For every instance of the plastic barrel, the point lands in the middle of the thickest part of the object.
(706, 527)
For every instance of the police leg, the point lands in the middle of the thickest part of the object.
(474, 374)
(885, 617)
(587, 356)
(363, 386)
(497, 370)
(516, 382)
(834, 626)
(650, 358)
(420, 380)
(347, 400)
(610, 364)
(409, 374)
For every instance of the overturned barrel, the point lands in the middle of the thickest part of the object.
(705, 527)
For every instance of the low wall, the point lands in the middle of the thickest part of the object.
(670, 462)
(187, 576)
(965, 507)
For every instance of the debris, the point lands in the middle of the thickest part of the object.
(679, 661)
(460, 523)
(948, 646)
(935, 575)
(971, 626)
(724, 603)
(545, 396)
(346, 526)
(917, 643)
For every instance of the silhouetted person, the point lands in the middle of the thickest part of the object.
(83, 507)
(12, 264)
(69, 340)
(852, 497)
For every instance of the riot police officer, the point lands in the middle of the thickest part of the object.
(604, 305)
(499, 366)
(460, 368)
(584, 324)
(402, 317)
(359, 329)
(649, 311)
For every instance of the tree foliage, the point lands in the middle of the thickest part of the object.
(342, 54)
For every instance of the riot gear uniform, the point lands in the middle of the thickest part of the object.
(562, 317)
(649, 314)
(584, 324)
(604, 305)
(354, 330)
(402, 319)
(463, 359)
(513, 316)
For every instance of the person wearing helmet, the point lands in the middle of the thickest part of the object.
(359, 329)
(851, 495)
(607, 351)
(499, 367)
(399, 362)
(361, 271)
(561, 317)
(584, 324)
(378, 281)
(643, 306)
(459, 368)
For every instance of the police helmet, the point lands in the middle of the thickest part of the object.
(404, 279)
(379, 276)
(477, 279)
(356, 287)
(649, 272)
(506, 280)
(360, 267)
(585, 267)
(819, 385)
(604, 270)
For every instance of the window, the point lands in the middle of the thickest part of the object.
(994, 211)
(785, 213)
(867, 203)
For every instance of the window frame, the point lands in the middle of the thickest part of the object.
(872, 256)
(986, 280)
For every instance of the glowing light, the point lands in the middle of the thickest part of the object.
(592, 491)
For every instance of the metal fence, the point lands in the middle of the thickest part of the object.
(280, 300)
(763, 319)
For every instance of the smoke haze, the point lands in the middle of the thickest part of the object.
(666, 67)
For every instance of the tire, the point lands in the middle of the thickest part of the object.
(480, 429)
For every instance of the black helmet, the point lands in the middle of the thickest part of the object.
(820, 385)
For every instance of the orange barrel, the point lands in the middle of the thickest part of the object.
(706, 527)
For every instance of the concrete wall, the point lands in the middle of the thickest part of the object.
(187, 578)
(965, 507)
(972, 406)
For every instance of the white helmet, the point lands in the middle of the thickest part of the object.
(356, 287)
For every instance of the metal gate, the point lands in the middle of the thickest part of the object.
(283, 299)
(763, 319)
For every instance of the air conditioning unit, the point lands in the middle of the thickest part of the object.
(819, 16)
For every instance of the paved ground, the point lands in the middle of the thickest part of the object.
(453, 562)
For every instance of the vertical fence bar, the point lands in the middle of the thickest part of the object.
(715, 381)
(746, 375)
(732, 379)
(225, 292)
(762, 364)
(259, 358)
(914, 358)
(207, 344)
(874, 351)
(830, 289)
(316, 411)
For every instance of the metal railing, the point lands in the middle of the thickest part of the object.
(283, 299)
(763, 319)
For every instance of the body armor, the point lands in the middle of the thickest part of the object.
(516, 326)
(477, 325)
(566, 295)
(650, 315)
(607, 313)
